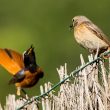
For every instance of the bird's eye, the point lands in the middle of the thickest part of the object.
(73, 20)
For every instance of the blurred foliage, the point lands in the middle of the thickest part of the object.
(45, 24)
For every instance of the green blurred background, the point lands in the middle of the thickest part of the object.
(45, 24)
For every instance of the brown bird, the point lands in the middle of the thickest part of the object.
(26, 73)
(88, 35)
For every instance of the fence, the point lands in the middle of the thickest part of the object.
(86, 88)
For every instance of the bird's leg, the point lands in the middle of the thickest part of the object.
(24, 92)
(19, 89)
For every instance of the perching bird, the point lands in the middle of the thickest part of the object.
(88, 35)
(26, 73)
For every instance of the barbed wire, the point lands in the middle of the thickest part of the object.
(73, 73)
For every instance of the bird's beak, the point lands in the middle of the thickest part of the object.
(71, 27)
(30, 50)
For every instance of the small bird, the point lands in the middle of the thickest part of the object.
(26, 73)
(89, 36)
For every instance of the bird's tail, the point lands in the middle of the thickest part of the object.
(106, 56)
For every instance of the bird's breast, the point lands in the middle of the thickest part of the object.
(30, 80)
(88, 39)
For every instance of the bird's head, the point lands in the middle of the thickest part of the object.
(77, 20)
(29, 57)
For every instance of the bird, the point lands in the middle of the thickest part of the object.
(89, 35)
(23, 68)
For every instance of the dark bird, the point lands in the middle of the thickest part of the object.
(26, 73)
(89, 36)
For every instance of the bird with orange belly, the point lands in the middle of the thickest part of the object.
(26, 73)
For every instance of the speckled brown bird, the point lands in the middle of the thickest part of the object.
(89, 36)
(26, 73)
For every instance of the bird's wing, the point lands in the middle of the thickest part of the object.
(11, 60)
(94, 29)
(17, 77)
